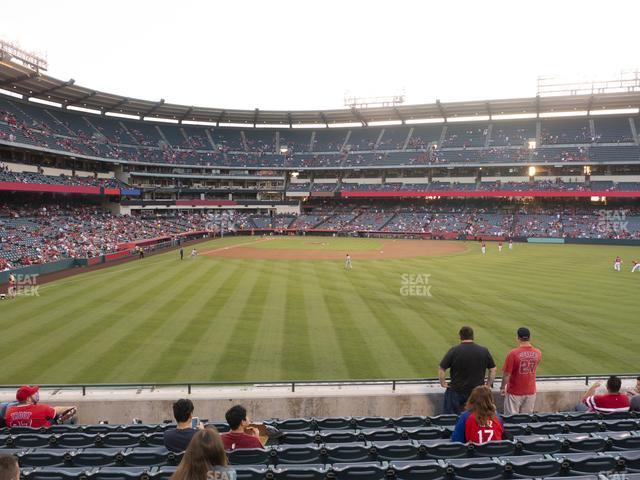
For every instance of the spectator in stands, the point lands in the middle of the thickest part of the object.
(205, 454)
(177, 439)
(611, 402)
(9, 469)
(480, 422)
(29, 412)
(634, 396)
(241, 435)
(3, 411)
(469, 363)
(519, 375)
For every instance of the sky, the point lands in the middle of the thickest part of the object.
(296, 55)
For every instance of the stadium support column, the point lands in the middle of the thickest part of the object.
(538, 132)
(592, 129)
(487, 141)
(208, 134)
(313, 139)
(406, 140)
(633, 130)
(379, 138)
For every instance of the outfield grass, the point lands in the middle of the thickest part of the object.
(213, 318)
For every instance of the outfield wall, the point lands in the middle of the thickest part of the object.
(153, 405)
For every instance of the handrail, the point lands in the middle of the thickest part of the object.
(393, 382)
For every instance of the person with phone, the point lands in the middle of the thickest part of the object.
(177, 439)
(29, 412)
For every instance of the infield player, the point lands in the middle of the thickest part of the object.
(617, 264)
(347, 262)
(194, 253)
(636, 266)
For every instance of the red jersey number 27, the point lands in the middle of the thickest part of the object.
(527, 367)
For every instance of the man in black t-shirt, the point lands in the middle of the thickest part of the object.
(177, 439)
(469, 363)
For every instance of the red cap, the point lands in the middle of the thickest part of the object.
(26, 391)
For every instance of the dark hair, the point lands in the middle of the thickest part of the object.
(182, 409)
(9, 469)
(204, 452)
(235, 415)
(481, 403)
(466, 333)
(614, 384)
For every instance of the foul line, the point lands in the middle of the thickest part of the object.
(222, 249)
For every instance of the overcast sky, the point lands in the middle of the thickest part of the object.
(298, 54)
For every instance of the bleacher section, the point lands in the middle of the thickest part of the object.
(414, 447)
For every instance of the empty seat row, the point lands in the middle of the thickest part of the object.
(531, 466)
(105, 428)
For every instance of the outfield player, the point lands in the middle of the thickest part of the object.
(347, 262)
(194, 253)
(12, 286)
(617, 264)
(483, 248)
(499, 246)
(636, 266)
(510, 244)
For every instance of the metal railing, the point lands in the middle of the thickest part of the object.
(293, 384)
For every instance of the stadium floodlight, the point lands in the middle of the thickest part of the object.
(532, 171)
(295, 174)
(587, 170)
(284, 150)
(532, 144)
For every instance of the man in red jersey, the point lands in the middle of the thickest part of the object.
(30, 413)
(611, 402)
(519, 375)
(239, 424)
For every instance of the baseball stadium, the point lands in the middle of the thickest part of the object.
(318, 267)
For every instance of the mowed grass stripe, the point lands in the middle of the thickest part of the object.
(108, 327)
(325, 353)
(238, 350)
(160, 324)
(41, 337)
(360, 360)
(189, 350)
(272, 338)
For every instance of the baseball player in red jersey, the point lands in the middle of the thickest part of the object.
(636, 266)
(617, 264)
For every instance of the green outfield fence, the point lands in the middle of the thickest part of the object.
(293, 384)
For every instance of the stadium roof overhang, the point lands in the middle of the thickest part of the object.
(30, 84)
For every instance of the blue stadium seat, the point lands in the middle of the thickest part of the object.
(544, 428)
(118, 439)
(475, 468)
(628, 459)
(155, 439)
(418, 470)
(585, 463)
(120, 473)
(347, 452)
(620, 425)
(409, 422)
(392, 451)
(583, 427)
(102, 428)
(339, 436)
(424, 433)
(300, 472)
(519, 418)
(294, 424)
(562, 417)
(249, 456)
(334, 423)
(75, 440)
(28, 440)
(162, 473)
(97, 457)
(300, 438)
(620, 440)
(515, 429)
(438, 449)
(582, 442)
(371, 422)
(45, 457)
(55, 473)
(527, 466)
(492, 449)
(381, 435)
(297, 454)
(361, 471)
(150, 456)
(442, 420)
(543, 444)
(65, 428)
(250, 472)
